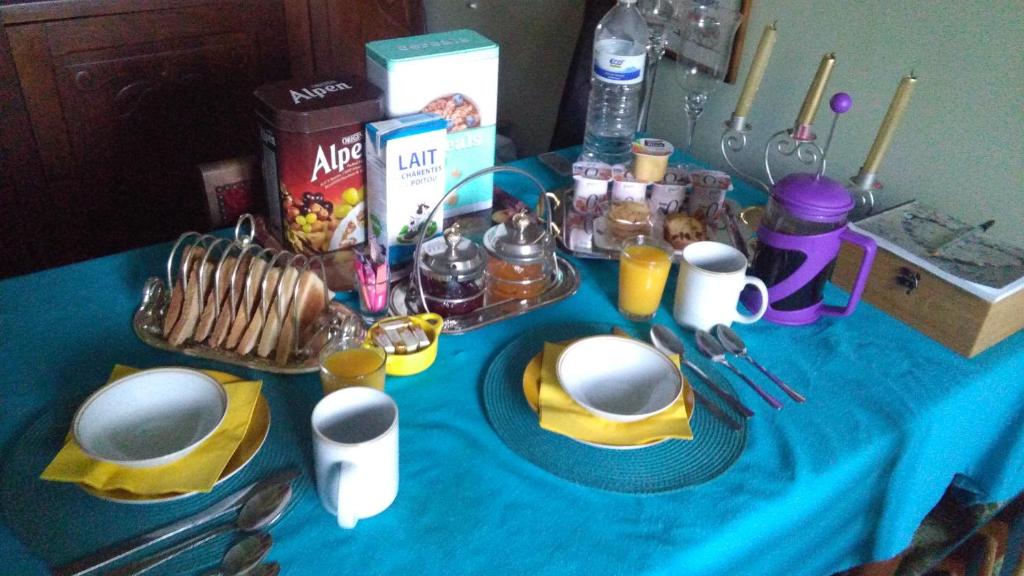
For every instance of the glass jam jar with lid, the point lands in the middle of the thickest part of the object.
(521, 259)
(451, 272)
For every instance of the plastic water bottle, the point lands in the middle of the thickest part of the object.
(616, 84)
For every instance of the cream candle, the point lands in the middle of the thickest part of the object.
(817, 88)
(756, 73)
(889, 123)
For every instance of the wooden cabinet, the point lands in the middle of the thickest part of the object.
(107, 107)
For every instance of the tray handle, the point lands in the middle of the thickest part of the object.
(543, 202)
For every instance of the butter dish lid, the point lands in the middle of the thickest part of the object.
(312, 105)
(394, 50)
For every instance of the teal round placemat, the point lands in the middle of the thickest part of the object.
(667, 466)
(60, 522)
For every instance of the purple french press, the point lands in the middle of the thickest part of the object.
(798, 242)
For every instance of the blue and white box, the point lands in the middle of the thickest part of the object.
(454, 74)
(405, 170)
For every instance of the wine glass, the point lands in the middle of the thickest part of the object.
(659, 15)
(703, 46)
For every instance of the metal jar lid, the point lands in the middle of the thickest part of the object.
(453, 257)
(520, 239)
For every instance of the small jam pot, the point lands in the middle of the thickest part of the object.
(522, 259)
(452, 273)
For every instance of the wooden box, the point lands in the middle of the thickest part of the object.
(946, 313)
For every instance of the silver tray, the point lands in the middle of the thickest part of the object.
(148, 325)
(603, 248)
(565, 283)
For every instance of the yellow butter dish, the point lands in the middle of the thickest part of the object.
(410, 342)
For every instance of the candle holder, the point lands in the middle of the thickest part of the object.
(798, 142)
(862, 187)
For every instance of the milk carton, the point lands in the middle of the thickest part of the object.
(405, 160)
(454, 74)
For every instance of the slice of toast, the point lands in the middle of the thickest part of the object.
(308, 304)
(213, 300)
(246, 304)
(226, 314)
(282, 300)
(253, 330)
(189, 316)
(189, 256)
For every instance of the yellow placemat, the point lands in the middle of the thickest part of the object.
(561, 414)
(196, 472)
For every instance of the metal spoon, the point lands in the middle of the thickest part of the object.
(123, 549)
(663, 337)
(710, 347)
(734, 344)
(244, 555)
(260, 511)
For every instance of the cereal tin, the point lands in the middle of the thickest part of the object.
(313, 160)
(454, 74)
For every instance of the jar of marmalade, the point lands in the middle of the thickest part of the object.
(521, 259)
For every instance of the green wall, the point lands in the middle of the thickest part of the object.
(960, 146)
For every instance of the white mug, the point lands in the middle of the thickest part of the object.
(711, 277)
(355, 449)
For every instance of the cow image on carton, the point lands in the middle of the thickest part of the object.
(405, 181)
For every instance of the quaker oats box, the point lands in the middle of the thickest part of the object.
(405, 161)
(453, 74)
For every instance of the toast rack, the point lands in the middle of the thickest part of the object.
(230, 300)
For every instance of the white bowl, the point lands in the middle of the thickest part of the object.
(150, 418)
(617, 378)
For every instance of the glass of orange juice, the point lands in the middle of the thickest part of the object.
(348, 361)
(644, 263)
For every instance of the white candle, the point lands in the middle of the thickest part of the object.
(756, 73)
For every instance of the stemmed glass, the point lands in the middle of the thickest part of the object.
(702, 48)
(659, 15)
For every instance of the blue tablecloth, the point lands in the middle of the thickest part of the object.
(891, 418)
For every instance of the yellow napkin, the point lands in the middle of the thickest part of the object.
(561, 414)
(196, 472)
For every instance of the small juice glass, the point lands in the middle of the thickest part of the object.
(349, 361)
(644, 263)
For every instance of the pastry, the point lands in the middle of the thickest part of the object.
(682, 229)
(629, 219)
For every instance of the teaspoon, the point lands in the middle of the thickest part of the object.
(260, 511)
(244, 555)
(710, 347)
(662, 337)
(734, 344)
